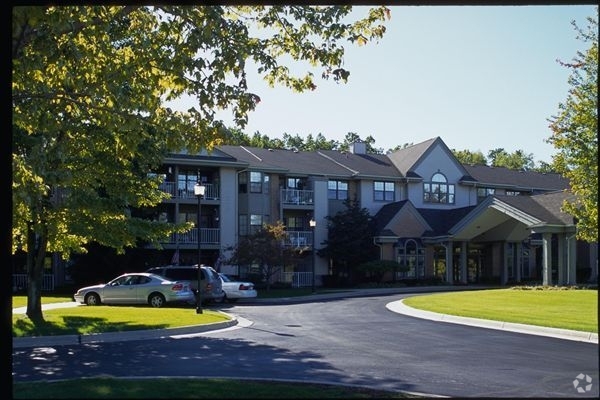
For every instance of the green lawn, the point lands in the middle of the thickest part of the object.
(566, 309)
(186, 388)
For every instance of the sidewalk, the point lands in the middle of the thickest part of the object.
(395, 306)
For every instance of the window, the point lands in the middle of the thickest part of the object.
(266, 184)
(383, 191)
(243, 183)
(186, 181)
(243, 224)
(294, 223)
(438, 190)
(482, 193)
(294, 183)
(411, 255)
(255, 182)
(256, 222)
(337, 190)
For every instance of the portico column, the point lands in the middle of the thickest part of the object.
(562, 253)
(449, 266)
(504, 274)
(463, 262)
(547, 252)
(519, 261)
(571, 258)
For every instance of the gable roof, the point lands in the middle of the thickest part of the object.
(441, 221)
(409, 158)
(529, 181)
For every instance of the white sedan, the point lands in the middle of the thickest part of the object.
(235, 290)
(136, 288)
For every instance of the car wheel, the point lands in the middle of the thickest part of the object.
(92, 299)
(156, 300)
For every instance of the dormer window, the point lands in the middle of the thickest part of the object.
(438, 190)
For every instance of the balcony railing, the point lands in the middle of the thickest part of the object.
(298, 238)
(207, 236)
(297, 197)
(19, 282)
(211, 192)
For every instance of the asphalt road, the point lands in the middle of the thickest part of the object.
(352, 341)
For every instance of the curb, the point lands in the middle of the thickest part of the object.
(42, 341)
(401, 308)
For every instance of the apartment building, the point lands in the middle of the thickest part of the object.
(458, 223)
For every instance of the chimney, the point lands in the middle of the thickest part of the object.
(358, 147)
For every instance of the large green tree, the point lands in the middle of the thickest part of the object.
(575, 133)
(90, 86)
(350, 240)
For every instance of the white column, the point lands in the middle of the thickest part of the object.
(463, 262)
(562, 254)
(519, 261)
(547, 259)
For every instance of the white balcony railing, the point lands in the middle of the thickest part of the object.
(211, 192)
(297, 197)
(207, 236)
(298, 238)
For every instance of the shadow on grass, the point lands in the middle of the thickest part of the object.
(76, 325)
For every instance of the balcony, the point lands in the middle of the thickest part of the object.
(297, 197)
(208, 236)
(298, 239)
(211, 191)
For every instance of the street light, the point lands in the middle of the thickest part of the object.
(199, 192)
(313, 225)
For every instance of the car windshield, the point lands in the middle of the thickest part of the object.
(225, 278)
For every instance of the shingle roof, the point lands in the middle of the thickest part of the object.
(442, 220)
(517, 180)
(406, 158)
(321, 162)
(384, 215)
(546, 207)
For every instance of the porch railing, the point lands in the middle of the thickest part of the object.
(296, 196)
(207, 236)
(297, 279)
(211, 192)
(298, 238)
(19, 282)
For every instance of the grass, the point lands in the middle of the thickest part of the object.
(186, 388)
(87, 320)
(566, 309)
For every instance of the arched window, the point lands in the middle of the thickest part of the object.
(411, 254)
(437, 190)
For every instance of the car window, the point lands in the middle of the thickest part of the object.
(144, 279)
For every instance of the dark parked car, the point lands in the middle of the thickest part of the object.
(136, 288)
(212, 290)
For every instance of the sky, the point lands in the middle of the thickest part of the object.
(479, 77)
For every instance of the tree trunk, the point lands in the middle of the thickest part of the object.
(36, 252)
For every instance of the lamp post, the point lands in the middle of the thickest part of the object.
(313, 225)
(199, 192)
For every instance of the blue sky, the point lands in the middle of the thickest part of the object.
(480, 77)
